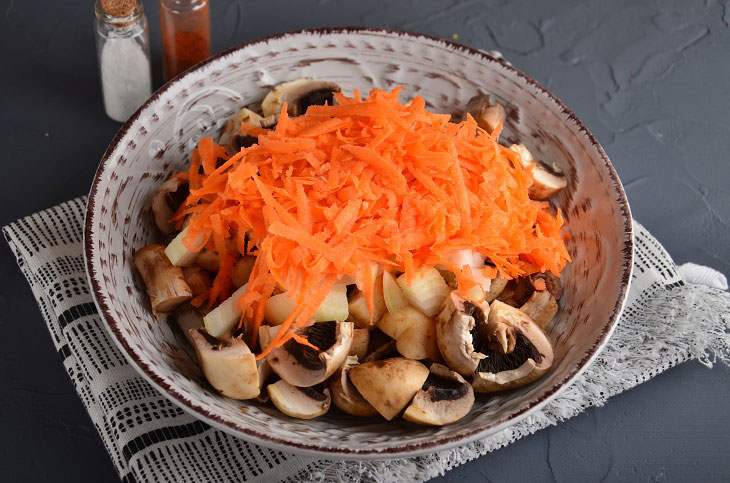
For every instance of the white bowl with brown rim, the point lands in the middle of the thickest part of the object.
(159, 138)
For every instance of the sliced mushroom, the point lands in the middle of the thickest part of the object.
(166, 285)
(231, 137)
(265, 372)
(360, 342)
(298, 402)
(346, 396)
(548, 179)
(487, 112)
(518, 351)
(389, 385)
(552, 283)
(188, 318)
(457, 322)
(170, 195)
(516, 292)
(541, 307)
(199, 279)
(229, 366)
(303, 366)
(299, 94)
(444, 398)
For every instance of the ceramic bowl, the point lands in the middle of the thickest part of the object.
(158, 140)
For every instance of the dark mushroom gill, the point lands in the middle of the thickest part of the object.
(322, 335)
(244, 141)
(444, 389)
(315, 98)
(497, 362)
(550, 168)
(173, 199)
(313, 393)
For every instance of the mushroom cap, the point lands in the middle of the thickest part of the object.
(298, 94)
(298, 402)
(445, 397)
(516, 292)
(346, 396)
(229, 366)
(302, 366)
(518, 350)
(390, 384)
(548, 180)
(454, 333)
(487, 112)
(170, 195)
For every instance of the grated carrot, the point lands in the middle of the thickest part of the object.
(370, 180)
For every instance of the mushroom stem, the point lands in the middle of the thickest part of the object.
(541, 307)
(166, 285)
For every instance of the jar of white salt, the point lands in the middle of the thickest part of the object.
(123, 48)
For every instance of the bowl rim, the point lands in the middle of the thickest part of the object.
(438, 443)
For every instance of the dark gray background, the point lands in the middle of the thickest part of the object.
(651, 79)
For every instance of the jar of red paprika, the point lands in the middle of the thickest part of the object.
(185, 26)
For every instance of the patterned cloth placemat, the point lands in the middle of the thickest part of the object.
(673, 314)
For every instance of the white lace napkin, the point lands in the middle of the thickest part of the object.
(673, 314)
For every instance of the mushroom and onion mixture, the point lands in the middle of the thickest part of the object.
(362, 253)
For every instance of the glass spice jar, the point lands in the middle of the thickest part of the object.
(185, 26)
(123, 50)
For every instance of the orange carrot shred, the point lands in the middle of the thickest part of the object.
(369, 180)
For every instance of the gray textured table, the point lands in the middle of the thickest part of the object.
(649, 78)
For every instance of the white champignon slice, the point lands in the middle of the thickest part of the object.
(303, 366)
(390, 384)
(445, 398)
(298, 95)
(454, 327)
(344, 394)
(229, 366)
(298, 402)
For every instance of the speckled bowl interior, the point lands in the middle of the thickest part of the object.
(158, 141)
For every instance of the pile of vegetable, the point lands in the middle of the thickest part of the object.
(324, 197)
(361, 252)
